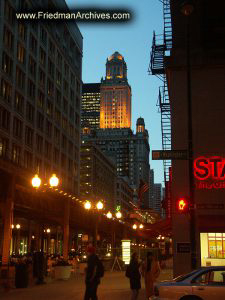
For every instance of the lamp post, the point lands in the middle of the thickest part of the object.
(187, 8)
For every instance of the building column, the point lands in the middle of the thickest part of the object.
(8, 219)
(66, 221)
(29, 236)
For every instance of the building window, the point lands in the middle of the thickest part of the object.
(48, 149)
(216, 243)
(4, 118)
(43, 35)
(51, 69)
(39, 143)
(6, 91)
(56, 155)
(41, 77)
(7, 64)
(33, 44)
(4, 147)
(64, 142)
(51, 49)
(31, 90)
(21, 53)
(49, 109)
(19, 103)
(22, 31)
(20, 78)
(41, 99)
(16, 154)
(40, 121)
(8, 38)
(57, 136)
(28, 160)
(49, 128)
(66, 70)
(71, 113)
(29, 136)
(42, 57)
(58, 78)
(63, 160)
(77, 119)
(59, 60)
(70, 150)
(64, 123)
(77, 103)
(17, 128)
(71, 131)
(57, 116)
(58, 97)
(50, 88)
(65, 106)
(38, 164)
(32, 67)
(9, 13)
(65, 87)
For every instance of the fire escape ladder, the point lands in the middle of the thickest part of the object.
(161, 46)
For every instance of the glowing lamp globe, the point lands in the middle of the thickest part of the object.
(36, 181)
(99, 205)
(87, 205)
(118, 215)
(17, 226)
(54, 181)
(141, 226)
(48, 230)
(134, 226)
(109, 215)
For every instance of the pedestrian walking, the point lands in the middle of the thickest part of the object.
(133, 273)
(94, 272)
(150, 272)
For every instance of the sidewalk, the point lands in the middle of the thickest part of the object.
(114, 286)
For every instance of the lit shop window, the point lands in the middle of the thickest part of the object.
(216, 243)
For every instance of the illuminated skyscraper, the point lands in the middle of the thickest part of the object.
(115, 107)
(90, 107)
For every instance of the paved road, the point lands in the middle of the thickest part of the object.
(114, 286)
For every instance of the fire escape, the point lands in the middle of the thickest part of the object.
(161, 46)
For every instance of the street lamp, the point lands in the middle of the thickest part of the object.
(141, 226)
(109, 215)
(118, 215)
(87, 205)
(187, 8)
(99, 205)
(54, 180)
(36, 181)
(134, 226)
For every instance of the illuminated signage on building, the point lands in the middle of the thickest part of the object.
(126, 251)
(210, 172)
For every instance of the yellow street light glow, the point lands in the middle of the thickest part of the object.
(36, 181)
(54, 180)
(99, 205)
(134, 226)
(109, 215)
(33, 237)
(17, 226)
(141, 226)
(87, 205)
(12, 226)
(48, 230)
(118, 215)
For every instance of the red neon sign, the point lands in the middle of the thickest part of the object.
(211, 167)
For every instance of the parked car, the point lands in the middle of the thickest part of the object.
(206, 283)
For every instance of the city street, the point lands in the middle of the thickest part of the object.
(114, 285)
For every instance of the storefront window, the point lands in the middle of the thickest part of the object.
(216, 243)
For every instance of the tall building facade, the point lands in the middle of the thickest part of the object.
(195, 76)
(129, 151)
(157, 197)
(40, 97)
(97, 176)
(115, 111)
(90, 106)
(151, 188)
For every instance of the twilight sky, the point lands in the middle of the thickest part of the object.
(133, 40)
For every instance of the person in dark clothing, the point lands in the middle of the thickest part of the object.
(92, 279)
(134, 276)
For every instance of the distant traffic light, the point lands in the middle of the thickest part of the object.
(182, 205)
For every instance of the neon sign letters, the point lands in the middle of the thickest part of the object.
(210, 171)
